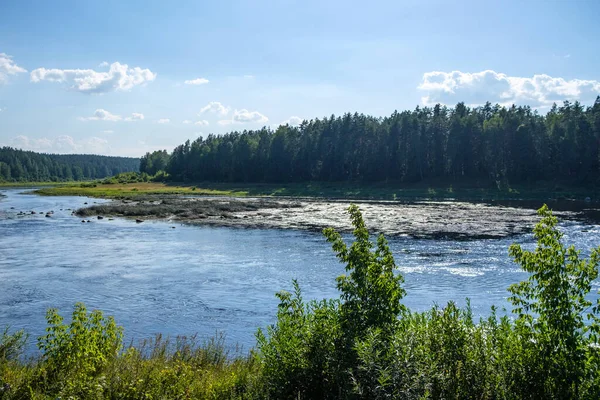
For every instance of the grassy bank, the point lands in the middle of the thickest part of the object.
(32, 184)
(354, 191)
(132, 190)
(364, 345)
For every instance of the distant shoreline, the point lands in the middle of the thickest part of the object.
(324, 190)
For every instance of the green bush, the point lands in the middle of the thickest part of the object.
(75, 356)
(368, 346)
(11, 345)
(552, 306)
(299, 353)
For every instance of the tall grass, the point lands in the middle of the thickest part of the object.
(364, 345)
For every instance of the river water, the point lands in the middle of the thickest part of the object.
(154, 278)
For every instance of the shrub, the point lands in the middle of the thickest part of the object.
(311, 351)
(11, 345)
(552, 306)
(368, 346)
(75, 356)
(299, 353)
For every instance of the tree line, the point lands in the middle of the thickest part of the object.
(487, 144)
(28, 166)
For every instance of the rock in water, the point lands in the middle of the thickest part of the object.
(100, 217)
(139, 221)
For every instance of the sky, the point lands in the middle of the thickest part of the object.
(128, 77)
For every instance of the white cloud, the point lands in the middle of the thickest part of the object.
(202, 122)
(292, 121)
(216, 108)
(118, 78)
(186, 121)
(244, 116)
(8, 67)
(62, 144)
(102, 115)
(164, 121)
(479, 87)
(197, 81)
(135, 117)
(103, 64)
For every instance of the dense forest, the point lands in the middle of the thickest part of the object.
(28, 166)
(490, 144)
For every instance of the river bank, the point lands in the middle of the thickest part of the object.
(542, 192)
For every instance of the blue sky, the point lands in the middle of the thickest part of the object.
(110, 77)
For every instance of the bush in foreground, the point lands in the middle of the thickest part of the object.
(364, 345)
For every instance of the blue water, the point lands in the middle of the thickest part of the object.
(156, 279)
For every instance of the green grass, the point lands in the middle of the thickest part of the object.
(335, 190)
(132, 190)
(31, 184)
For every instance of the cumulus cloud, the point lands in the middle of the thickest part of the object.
(292, 121)
(8, 67)
(61, 144)
(164, 121)
(135, 117)
(215, 107)
(103, 115)
(244, 116)
(479, 87)
(202, 122)
(197, 81)
(118, 78)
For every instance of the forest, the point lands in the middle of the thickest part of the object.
(486, 145)
(28, 166)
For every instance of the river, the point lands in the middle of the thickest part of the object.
(154, 278)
